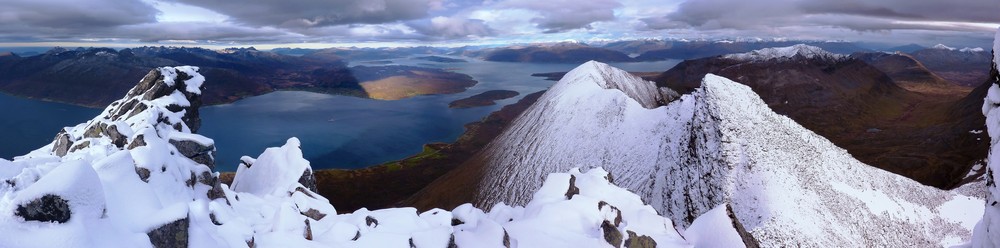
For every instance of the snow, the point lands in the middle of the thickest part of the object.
(986, 234)
(943, 47)
(720, 144)
(714, 229)
(972, 50)
(276, 171)
(803, 50)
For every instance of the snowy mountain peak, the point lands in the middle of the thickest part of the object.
(644, 92)
(943, 47)
(802, 50)
(719, 144)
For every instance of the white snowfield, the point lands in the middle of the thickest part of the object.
(720, 145)
(987, 233)
(780, 53)
(137, 176)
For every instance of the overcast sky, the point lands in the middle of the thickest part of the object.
(323, 23)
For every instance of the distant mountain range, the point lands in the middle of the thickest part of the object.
(95, 76)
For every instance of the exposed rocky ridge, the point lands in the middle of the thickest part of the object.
(720, 144)
(858, 107)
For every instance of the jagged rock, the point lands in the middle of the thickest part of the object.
(143, 173)
(173, 234)
(573, 190)
(506, 239)
(196, 151)
(81, 146)
(308, 180)
(637, 241)
(746, 236)
(372, 222)
(314, 214)
(611, 234)
(139, 140)
(618, 213)
(308, 231)
(62, 143)
(48, 208)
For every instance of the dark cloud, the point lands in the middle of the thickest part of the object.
(74, 14)
(564, 15)
(156, 32)
(856, 15)
(452, 27)
(316, 13)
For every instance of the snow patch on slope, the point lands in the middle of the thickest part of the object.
(803, 50)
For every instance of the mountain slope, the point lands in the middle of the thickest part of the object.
(719, 144)
(853, 104)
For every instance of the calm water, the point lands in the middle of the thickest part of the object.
(336, 131)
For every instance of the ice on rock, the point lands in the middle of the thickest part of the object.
(276, 171)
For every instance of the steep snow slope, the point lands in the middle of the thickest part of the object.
(987, 233)
(720, 144)
(138, 176)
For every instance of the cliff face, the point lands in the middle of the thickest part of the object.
(988, 231)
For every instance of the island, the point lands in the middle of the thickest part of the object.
(397, 82)
(441, 59)
(483, 99)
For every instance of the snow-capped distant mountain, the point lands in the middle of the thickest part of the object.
(719, 144)
(138, 176)
(803, 50)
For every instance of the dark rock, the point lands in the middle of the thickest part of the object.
(369, 221)
(314, 214)
(48, 208)
(82, 145)
(143, 173)
(309, 180)
(95, 130)
(636, 241)
(215, 221)
(611, 234)
(451, 242)
(748, 240)
(573, 190)
(250, 243)
(304, 191)
(116, 137)
(455, 222)
(139, 140)
(357, 235)
(506, 239)
(201, 154)
(62, 143)
(308, 233)
(173, 234)
(412, 245)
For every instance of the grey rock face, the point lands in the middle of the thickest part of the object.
(173, 234)
(308, 180)
(48, 208)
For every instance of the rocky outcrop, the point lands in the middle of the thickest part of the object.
(172, 235)
(48, 208)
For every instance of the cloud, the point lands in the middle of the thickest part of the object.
(856, 15)
(317, 13)
(74, 14)
(199, 31)
(452, 27)
(563, 15)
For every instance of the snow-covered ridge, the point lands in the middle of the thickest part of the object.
(138, 176)
(987, 234)
(803, 50)
(965, 49)
(722, 144)
(644, 92)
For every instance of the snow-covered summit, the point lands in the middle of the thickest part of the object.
(802, 50)
(644, 92)
(943, 47)
(720, 144)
